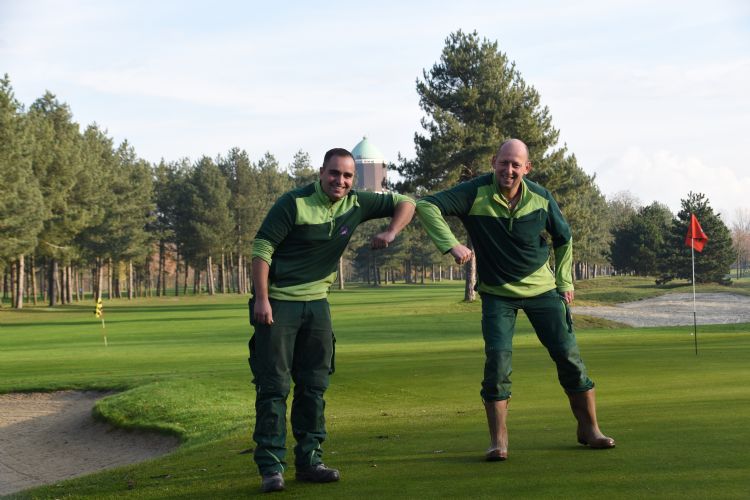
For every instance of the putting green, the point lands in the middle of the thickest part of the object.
(404, 415)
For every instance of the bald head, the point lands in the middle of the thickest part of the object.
(511, 164)
(514, 145)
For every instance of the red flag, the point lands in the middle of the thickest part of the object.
(695, 238)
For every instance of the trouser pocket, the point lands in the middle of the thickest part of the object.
(333, 354)
(568, 317)
(250, 308)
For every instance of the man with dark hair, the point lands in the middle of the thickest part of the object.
(505, 216)
(295, 258)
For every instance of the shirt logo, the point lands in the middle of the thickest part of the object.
(344, 231)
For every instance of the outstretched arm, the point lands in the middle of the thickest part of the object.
(402, 215)
(440, 233)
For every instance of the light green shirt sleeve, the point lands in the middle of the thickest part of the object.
(564, 266)
(398, 198)
(435, 226)
(263, 249)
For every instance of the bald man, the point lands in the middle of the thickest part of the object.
(505, 215)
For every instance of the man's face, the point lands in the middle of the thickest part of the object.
(336, 177)
(511, 164)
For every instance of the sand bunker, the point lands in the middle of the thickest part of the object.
(676, 309)
(47, 437)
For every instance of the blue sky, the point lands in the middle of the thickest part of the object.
(651, 96)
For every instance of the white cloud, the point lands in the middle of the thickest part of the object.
(668, 177)
(639, 90)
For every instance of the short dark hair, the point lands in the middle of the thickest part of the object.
(336, 152)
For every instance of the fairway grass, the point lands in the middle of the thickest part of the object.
(404, 415)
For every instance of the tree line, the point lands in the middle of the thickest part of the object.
(76, 207)
(650, 241)
(80, 213)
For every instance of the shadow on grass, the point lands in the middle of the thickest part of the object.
(181, 308)
(435, 457)
(110, 321)
(127, 308)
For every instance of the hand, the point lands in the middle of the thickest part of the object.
(568, 296)
(262, 312)
(381, 240)
(461, 254)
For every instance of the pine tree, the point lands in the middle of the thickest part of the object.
(475, 99)
(302, 170)
(21, 207)
(269, 182)
(240, 175)
(57, 165)
(133, 210)
(713, 263)
(210, 215)
(638, 242)
(20, 196)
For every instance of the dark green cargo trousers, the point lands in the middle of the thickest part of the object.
(298, 346)
(550, 317)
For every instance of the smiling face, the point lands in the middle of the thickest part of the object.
(337, 176)
(511, 164)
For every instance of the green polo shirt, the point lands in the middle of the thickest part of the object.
(512, 253)
(305, 233)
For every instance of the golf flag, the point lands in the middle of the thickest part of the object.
(695, 238)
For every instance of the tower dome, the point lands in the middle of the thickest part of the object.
(370, 166)
(365, 150)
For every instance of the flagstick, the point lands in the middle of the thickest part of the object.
(695, 322)
(103, 333)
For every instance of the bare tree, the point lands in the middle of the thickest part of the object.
(741, 239)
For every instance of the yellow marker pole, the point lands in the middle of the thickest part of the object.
(100, 314)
